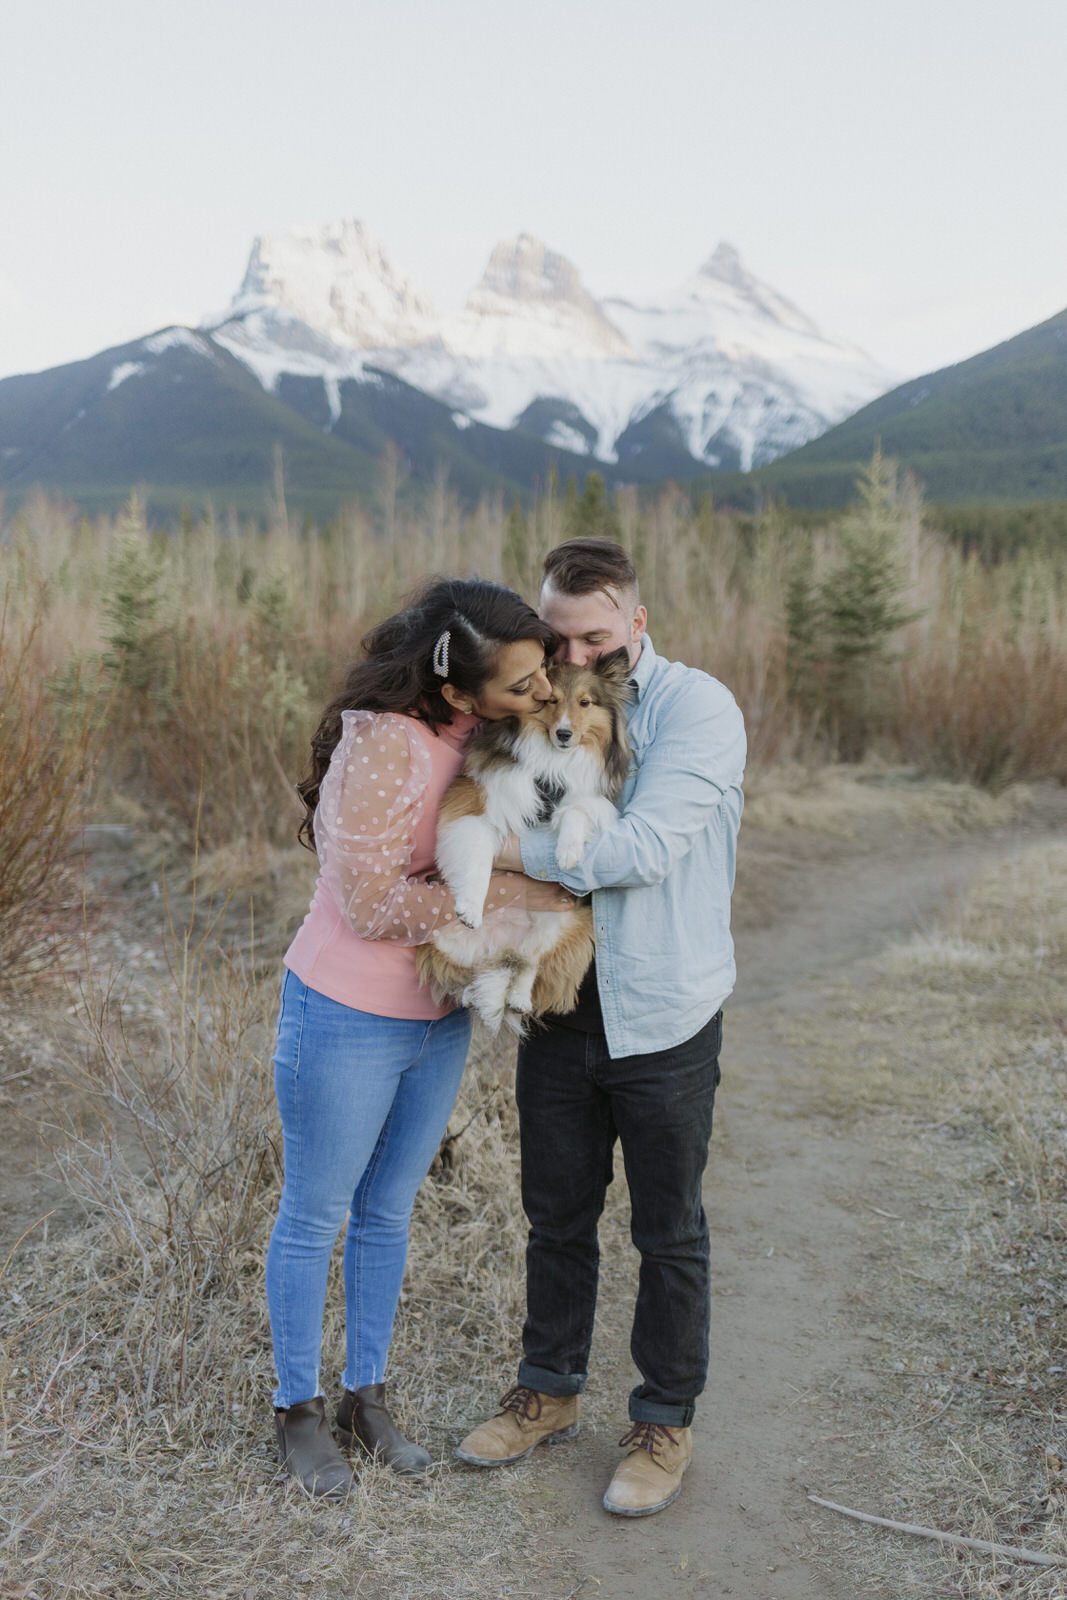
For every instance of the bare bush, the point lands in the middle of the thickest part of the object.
(47, 742)
(993, 711)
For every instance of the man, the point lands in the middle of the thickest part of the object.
(638, 1059)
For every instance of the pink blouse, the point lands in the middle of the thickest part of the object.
(375, 833)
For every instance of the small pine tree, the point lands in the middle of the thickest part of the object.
(591, 515)
(802, 630)
(839, 628)
(516, 552)
(860, 607)
(133, 604)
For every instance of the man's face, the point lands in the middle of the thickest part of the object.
(592, 625)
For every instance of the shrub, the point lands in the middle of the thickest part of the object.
(47, 742)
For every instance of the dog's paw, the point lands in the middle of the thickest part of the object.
(574, 832)
(470, 916)
(517, 1021)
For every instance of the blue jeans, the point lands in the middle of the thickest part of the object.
(364, 1102)
(574, 1102)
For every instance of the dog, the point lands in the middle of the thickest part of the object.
(564, 765)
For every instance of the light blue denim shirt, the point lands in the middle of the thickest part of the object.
(661, 877)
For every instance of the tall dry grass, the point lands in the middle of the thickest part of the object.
(983, 689)
(220, 640)
(47, 745)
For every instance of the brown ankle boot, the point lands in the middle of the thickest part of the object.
(363, 1418)
(306, 1448)
(649, 1476)
(526, 1418)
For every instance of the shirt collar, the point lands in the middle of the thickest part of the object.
(642, 670)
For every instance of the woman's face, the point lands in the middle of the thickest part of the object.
(519, 684)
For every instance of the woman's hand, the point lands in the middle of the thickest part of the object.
(509, 857)
(548, 896)
(513, 888)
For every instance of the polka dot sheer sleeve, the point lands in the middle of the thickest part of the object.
(371, 801)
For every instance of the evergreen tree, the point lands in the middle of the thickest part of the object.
(133, 605)
(839, 628)
(591, 515)
(860, 603)
(517, 549)
(802, 632)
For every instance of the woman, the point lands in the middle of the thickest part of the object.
(367, 1067)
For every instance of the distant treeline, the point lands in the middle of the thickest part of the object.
(997, 533)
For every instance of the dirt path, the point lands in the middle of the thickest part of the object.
(794, 1205)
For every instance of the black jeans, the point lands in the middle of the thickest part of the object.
(574, 1101)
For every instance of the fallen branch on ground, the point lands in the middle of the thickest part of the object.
(1016, 1553)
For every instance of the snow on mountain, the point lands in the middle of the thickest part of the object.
(742, 374)
(752, 375)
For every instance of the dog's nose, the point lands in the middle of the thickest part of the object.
(563, 735)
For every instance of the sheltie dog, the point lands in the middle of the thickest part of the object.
(562, 766)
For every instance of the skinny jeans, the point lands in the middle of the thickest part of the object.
(364, 1103)
(574, 1102)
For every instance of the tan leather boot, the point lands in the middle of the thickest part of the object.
(307, 1450)
(526, 1419)
(649, 1476)
(363, 1418)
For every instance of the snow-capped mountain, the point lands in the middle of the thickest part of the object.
(720, 372)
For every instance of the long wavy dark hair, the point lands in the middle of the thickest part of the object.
(396, 671)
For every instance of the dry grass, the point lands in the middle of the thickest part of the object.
(839, 800)
(135, 1373)
(954, 1059)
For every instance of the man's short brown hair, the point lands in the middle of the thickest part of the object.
(581, 566)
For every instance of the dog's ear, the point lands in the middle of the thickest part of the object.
(614, 668)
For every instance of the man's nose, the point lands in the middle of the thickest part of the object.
(573, 652)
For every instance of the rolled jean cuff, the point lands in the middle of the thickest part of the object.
(668, 1416)
(557, 1384)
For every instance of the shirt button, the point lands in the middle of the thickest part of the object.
(542, 874)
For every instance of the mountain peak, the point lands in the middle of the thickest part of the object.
(526, 282)
(339, 280)
(724, 266)
(524, 268)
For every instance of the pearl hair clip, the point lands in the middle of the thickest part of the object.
(440, 654)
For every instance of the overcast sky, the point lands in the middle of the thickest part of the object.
(898, 171)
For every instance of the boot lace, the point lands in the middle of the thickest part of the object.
(525, 1402)
(650, 1436)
